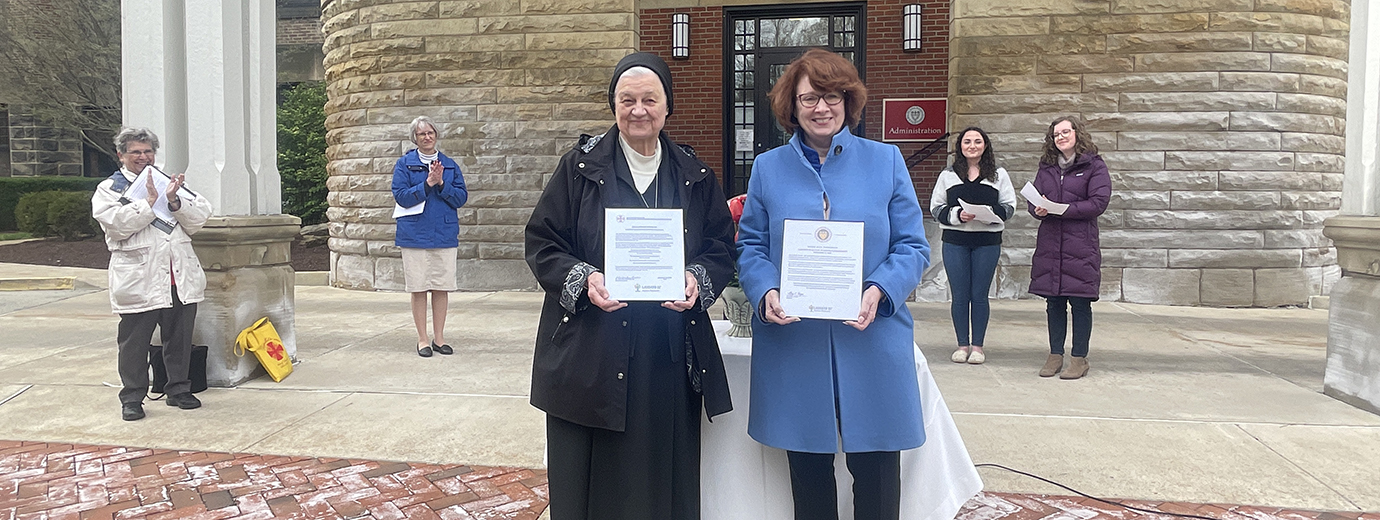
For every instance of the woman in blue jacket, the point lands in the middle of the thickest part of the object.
(816, 380)
(429, 234)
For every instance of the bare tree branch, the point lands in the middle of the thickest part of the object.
(61, 60)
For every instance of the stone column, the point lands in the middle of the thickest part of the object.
(511, 86)
(201, 76)
(1353, 339)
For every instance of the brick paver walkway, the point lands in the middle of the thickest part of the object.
(79, 482)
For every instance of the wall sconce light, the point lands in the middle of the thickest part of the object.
(910, 27)
(680, 35)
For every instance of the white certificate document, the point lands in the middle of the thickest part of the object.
(1033, 195)
(400, 211)
(982, 213)
(644, 254)
(821, 269)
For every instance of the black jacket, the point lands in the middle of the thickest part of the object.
(580, 355)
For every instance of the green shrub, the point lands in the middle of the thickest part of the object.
(69, 216)
(56, 213)
(302, 152)
(12, 188)
(31, 214)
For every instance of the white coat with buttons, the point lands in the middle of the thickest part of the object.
(144, 260)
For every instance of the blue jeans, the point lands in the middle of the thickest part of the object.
(970, 270)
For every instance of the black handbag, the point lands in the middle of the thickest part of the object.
(196, 371)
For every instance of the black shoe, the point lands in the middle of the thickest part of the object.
(185, 401)
(132, 412)
(424, 352)
(442, 349)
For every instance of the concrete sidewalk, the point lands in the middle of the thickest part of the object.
(1182, 404)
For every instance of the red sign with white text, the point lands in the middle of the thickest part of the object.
(923, 119)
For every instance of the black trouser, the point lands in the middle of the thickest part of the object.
(1056, 309)
(136, 330)
(876, 485)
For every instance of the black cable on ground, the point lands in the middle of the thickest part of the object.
(1085, 495)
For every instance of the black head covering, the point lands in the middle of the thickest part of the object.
(651, 61)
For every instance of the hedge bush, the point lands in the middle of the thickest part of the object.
(66, 214)
(302, 152)
(12, 188)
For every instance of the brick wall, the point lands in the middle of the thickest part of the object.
(891, 73)
(294, 31)
(699, 79)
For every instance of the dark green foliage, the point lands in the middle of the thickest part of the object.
(12, 188)
(302, 152)
(56, 213)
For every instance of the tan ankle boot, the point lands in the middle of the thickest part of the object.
(1052, 365)
(1078, 367)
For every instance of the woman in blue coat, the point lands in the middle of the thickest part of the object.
(814, 380)
(429, 239)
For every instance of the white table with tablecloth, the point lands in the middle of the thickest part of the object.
(743, 480)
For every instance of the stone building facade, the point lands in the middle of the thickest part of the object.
(1222, 123)
(1222, 120)
(510, 83)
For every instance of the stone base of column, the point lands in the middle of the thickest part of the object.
(1353, 341)
(248, 276)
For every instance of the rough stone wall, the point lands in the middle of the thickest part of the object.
(38, 148)
(4, 141)
(512, 85)
(1222, 122)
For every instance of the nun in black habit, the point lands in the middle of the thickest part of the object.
(623, 383)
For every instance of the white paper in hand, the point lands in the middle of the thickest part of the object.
(139, 190)
(981, 213)
(399, 211)
(1033, 195)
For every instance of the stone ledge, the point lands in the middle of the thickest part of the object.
(1357, 240)
(230, 242)
(59, 283)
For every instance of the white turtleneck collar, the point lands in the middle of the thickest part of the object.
(642, 167)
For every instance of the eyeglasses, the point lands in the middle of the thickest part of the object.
(137, 153)
(812, 99)
(1064, 133)
(426, 133)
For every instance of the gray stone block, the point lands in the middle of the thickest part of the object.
(388, 274)
(1295, 238)
(1234, 258)
(1280, 287)
(235, 299)
(494, 275)
(1135, 257)
(1127, 199)
(1161, 286)
(1110, 288)
(1209, 200)
(1163, 180)
(1259, 82)
(1237, 141)
(1353, 343)
(353, 272)
(1227, 160)
(1181, 238)
(1228, 287)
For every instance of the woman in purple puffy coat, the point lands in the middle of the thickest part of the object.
(1067, 269)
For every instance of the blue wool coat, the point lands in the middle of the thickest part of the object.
(437, 226)
(799, 371)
